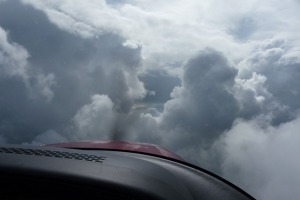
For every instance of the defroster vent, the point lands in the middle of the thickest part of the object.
(49, 153)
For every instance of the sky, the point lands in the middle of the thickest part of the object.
(216, 82)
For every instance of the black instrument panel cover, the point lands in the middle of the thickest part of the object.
(55, 173)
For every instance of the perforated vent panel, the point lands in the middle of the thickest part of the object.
(57, 154)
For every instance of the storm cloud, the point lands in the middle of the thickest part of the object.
(76, 67)
(217, 83)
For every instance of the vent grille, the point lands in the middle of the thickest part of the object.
(57, 154)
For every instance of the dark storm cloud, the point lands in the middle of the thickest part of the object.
(159, 85)
(81, 67)
(203, 106)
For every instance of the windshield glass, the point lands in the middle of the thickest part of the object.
(216, 82)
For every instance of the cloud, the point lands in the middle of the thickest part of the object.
(65, 68)
(262, 159)
(95, 120)
(13, 63)
(159, 85)
(141, 71)
(143, 23)
(49, 137)
(2, 140)
(276, 79)
(13, 57)
(195, 110)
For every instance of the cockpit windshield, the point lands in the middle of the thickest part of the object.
(216, 82)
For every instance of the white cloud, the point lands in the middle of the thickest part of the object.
(14, 63)
(94, 120)
(86, 18)
(13, 57)
(172, 32)
(263, 160)
(44, 85)
(166, 36)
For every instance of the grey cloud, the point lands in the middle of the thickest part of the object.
(145, 127)
(50, 136)
(203, 106)
(94, 120)
(74, 78)
(14, 63)
(2, 140)
(65, 16)
(253, 97)
(13, 57)
(75, 68)
(245, 28)
(282, 79)
(262, 160)
(159, 85)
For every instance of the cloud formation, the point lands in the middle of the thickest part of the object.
(211, 81)
(95, 120)
(201, 106)
(263, 159)
(13, 63)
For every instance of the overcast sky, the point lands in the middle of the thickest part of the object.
(217, 82)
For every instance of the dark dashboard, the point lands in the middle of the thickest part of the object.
(28, 172)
